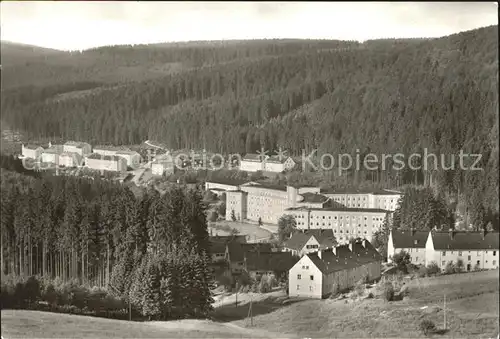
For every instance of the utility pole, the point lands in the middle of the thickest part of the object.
(250, 313)
(236, 304)
(444, 309)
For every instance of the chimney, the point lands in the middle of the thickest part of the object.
(450, 231)
(320, 254)
(412, 231)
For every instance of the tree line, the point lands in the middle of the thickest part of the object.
(382, 97)
(97, 233)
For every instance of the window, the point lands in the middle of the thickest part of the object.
(494, 262)
(311, 277)
(477, 262)
(310, 288)
(494, 253)
(298, 287)
(460, 253)
(415, 241)
(307, 267)
(298, 277)
(478, 252)
(416, 258)
(468, 257)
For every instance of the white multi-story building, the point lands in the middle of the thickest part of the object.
(81, 148)
(255, 162)
(51, 154)
(254, 201)
(31, 151)
(133, 158)
(410, 241)
(381, 199)
(346, 223)
(70, 159)
(106, 163)
(317, 275)
(477, 250)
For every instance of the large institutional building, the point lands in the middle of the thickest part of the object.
(254, 201)
(312, 210)
(346, 223)
(381, 199)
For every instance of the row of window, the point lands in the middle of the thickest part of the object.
(478, 262)
(299, 277)
(302, 216)
(478, 253)
(310, 288)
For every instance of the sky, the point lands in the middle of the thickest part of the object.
(77, 25)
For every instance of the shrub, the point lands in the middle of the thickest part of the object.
(404, 291)
(359, 288)
(427, 327)
(244, 279)
(433, 269)
(32, 290)
(477, 267)
(370, 295)
(50, 294)
(266, 283)
(450, 268)
(402, 261)
(422, 272)
(459, 266)
(225, 281)
(388, 291)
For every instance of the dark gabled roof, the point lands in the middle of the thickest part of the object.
(77, 144)
(111, 148)
(276, 261)
(257, 247)
(127, 152)
(252, 157)
(277, 160)
(344, 258)
(227, 181)
(217, 247)
(72, 155)
(407, 238)
(31, 146)
(359, 191)
(324, 237)
(105, 157)
(236, 252)
(465, 240)
(268, 186)
(314, 198)
(228, 238)
(339, 209)
(55, 149)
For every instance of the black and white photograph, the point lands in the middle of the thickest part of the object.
(245, 169)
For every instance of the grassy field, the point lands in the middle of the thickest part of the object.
(471, 311)
(34, 324)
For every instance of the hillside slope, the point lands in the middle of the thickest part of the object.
(389, 96)
(33, 324)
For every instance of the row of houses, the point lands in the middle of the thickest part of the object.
(77, 154)
(477, 250)
(315, 274)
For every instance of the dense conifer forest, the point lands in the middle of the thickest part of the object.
(382, 96)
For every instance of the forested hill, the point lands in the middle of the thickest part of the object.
(386, 96)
